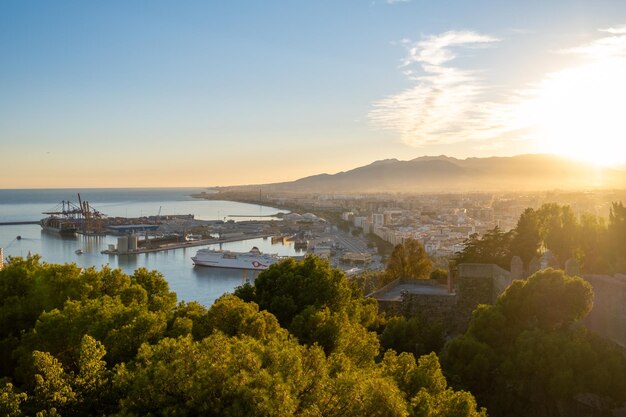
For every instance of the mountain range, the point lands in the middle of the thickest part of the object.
(446, 174)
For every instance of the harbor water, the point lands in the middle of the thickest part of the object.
(191, 283)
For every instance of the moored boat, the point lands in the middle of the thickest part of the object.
(255, 259)
(59, 225)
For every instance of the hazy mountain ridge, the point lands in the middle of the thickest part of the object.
(443, 173)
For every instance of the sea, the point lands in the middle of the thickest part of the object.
(191, 283)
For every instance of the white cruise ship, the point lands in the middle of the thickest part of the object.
(237, 260)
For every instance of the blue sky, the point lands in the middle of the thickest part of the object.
(156, 93)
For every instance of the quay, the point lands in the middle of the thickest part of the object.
(186, 244)
(19, 223)
(255, 215)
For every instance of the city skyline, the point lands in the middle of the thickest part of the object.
(202, 94)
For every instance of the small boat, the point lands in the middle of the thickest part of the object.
(78, 251)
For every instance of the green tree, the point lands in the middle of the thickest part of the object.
(189, 318)
(235, 376)
(234, 317)
(558, 229)
(78, 393)
(440, 275)
(29, 288)
(10, 401)
(121, 328)
(369, 281)
(114, 344)
(52, 384)
(617, 237)
(408, 260)
(592, 245)
(336, 332)
(414, 335)
(526, 239)
(529, 354)
(426, 389)
(317, 305)
(289, 287)
(494, 247)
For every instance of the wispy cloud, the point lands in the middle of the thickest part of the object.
(397, 1)
(447, 104)
(607, 46)
(620, 30)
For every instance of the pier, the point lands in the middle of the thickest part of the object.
(186, 244)
(19, 223)
(255, 215)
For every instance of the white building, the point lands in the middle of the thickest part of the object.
(368, 227)
(347, 215)
(358, 221)
(378, 219)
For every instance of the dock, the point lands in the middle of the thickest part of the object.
(186, 244)
(19, 223)
(255, 215)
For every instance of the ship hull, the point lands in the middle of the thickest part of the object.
(62, 232)
(215, 265)
(57, 226)
(233, 260)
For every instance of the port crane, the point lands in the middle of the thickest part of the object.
(91, 218)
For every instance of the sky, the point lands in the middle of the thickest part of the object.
(204, 93)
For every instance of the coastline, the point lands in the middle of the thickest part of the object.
(217, 196)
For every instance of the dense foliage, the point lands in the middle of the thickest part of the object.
(409, 260)
(494, 247)
(417, 335)
(80, 342)
(598, 247)
(529, 355)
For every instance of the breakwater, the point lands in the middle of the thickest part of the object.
(186, 244)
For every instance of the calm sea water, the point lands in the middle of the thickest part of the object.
(191, 283)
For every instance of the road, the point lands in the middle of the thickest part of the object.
(350, 242)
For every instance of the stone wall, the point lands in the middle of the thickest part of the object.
(477, 284)
(439, 308)
(501, 281)
(390, 307)
(410, 303)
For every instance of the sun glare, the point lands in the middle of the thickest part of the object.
(579, 112)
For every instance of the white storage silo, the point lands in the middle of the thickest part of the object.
(122, 244)
(132, 243)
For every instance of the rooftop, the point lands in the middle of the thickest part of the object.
(424, 287)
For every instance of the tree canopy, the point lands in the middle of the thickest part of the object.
(529, 355)
(494, 247)
(86, 342)
(408, 260)
(598, 247)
